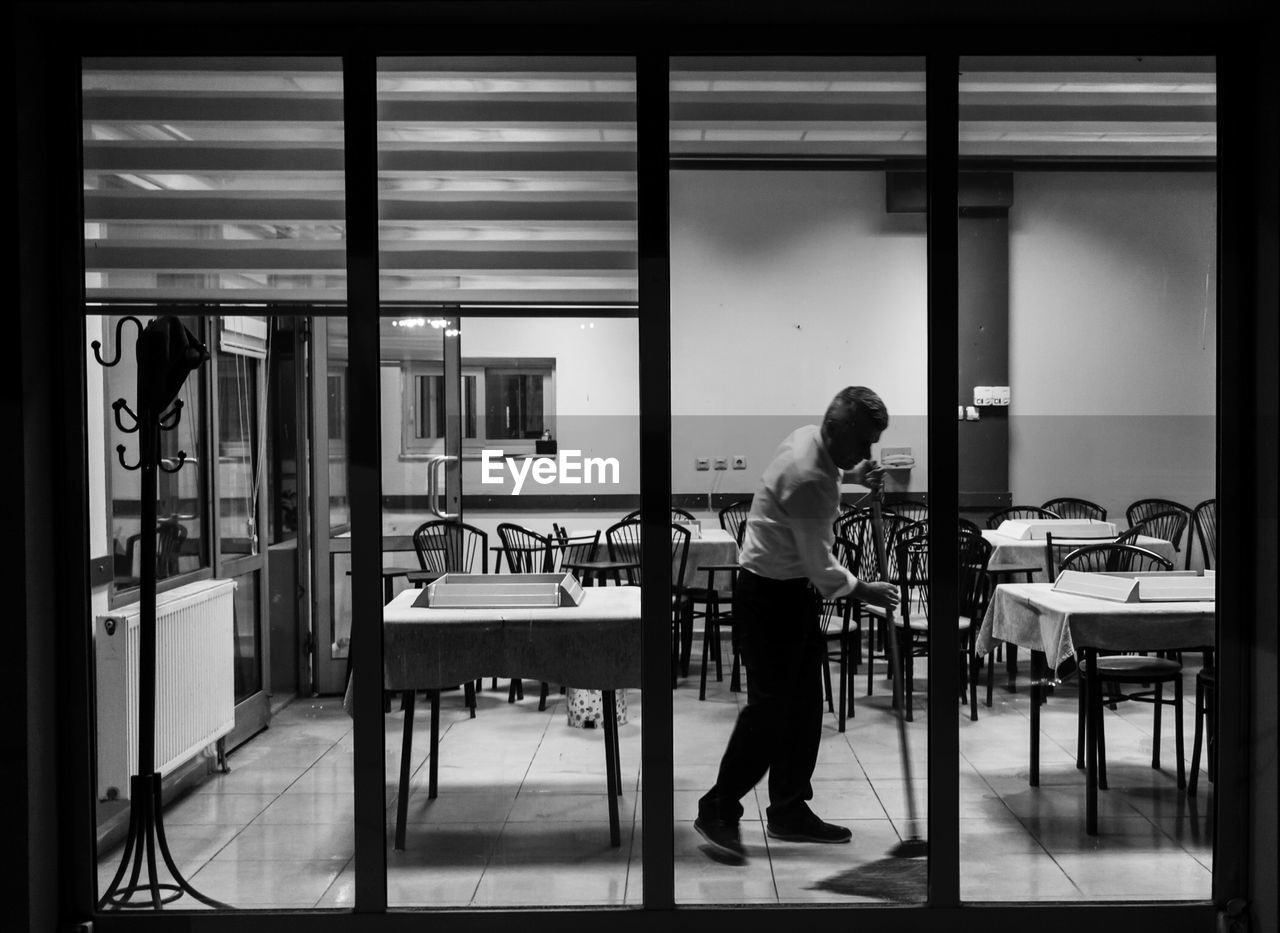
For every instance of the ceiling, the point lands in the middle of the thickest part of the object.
(514, 180)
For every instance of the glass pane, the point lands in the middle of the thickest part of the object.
(522, 814)
(182, 545)
(1088, 277)
(214, 178)
(507, 180)
(253, 817)
(789, 282)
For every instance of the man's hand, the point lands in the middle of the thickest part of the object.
(868, 473)
(884, 595)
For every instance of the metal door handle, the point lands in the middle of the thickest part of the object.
(433, 485)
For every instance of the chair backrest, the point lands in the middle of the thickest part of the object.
(1168, 524)
(1015, 512)
(1205, 522)
(623, 541)
(169, 539)
(911, 510)
(855, 528)
(574, 550)
(913, 534)
(974, 583)
(526, 551)
(733, 518)
(1068, 507)
(451, 547)
(1110, 558)
(909, 568)
(677, 515)
(1143, 510)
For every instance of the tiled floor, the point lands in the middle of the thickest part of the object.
(521, 816)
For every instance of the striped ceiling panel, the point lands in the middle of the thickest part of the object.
(514, 179)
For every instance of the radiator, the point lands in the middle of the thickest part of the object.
(195, 700)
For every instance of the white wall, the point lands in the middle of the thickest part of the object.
(1112, 340)
(597, 400)
(786, 287)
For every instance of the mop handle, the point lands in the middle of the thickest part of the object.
(877, 530)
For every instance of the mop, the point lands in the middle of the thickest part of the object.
(890, 878)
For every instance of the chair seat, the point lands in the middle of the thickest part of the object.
(922, 625)
(1207, 675)
(1136, 668)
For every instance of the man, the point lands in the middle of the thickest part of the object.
(787, 567)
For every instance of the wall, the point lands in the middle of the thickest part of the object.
(597, 400)
(1112, 337)
(787, 286)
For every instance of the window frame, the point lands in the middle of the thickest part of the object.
(1209, 35)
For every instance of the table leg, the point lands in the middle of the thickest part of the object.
(613, 780)
(432, 769)
(406, 749)
(1035, 721)
(1093, 712)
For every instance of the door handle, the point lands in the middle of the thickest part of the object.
(433, 486)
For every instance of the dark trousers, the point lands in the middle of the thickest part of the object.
(779, 729)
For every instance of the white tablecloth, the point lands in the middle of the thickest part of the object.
(1015, 554)
(1034, 616)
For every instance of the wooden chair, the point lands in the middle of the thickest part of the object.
(905, 507)
(1204, 519)
(1124, 669)
(623, 540)
(1153, 513)
(733, 518)
(526, 551)
(1067, 507)
(1015, 512)
(975, 590)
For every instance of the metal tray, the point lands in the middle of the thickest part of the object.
(501, 591)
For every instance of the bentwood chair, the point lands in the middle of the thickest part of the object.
(170, 536)
(733, 518)
(677, 515)
(452, 547)
(1120, 669)
(1015, 512)
(909, 569)
(1205, 522)
(526, 551)
(1170, 528)
(1068, 507)
(905, 507)
(1206, 698)
(623, 541)
(975, 590)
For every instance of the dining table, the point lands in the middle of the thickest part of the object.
(595, 644)
(1057, 625)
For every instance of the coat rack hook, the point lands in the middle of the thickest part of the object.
(169, 420)
(97, 344)
(178, 461)
(120, 455)
(120, 405)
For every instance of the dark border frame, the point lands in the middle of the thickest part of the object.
(48, 43)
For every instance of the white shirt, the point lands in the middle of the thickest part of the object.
(789, 531)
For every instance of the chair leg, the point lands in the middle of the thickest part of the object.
(844, 677)
(826, 681)
(1157, 700)
(542, 696)
(1196, 740)
(469, 697)
(973, 684)
(1178, 740)
(706, 645)
(908, 673)
(1102, 744)
(1211, 733)
(1083, 706)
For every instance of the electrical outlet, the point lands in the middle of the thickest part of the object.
(721, 463)
(982, 395)
(701, 463)
(971, 413)
(1000, 395)
(739, 461)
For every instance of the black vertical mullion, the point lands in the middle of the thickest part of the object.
(656, 729)
(1247, 544)
(942, 97)
(365, 478)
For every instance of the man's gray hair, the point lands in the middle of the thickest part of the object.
(858, 405)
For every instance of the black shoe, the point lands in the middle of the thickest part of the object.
(805, 826)
(724, 843)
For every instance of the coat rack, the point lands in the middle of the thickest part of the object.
(167, 354)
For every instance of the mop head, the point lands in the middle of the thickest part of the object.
(886, 879)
